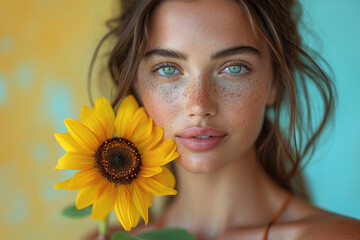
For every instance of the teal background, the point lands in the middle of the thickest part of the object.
(333, 173)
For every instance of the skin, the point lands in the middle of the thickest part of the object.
(200, 91)
(203, 92)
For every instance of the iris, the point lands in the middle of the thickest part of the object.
(235, 69)
(168, 70)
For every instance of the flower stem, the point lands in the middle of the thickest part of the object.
(103, 229)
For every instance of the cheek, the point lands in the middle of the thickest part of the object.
(242, 96)
(245, 106)
(161, 102)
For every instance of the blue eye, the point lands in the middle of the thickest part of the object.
(235, 69)
(168, 71)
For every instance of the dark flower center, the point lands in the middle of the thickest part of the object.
(118, 160)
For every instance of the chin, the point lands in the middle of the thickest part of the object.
(200, 165)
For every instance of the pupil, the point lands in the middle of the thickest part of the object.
(169, 70)
(235, 69)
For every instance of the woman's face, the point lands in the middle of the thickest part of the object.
(206, 80)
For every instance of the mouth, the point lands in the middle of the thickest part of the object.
(203, 136)
(201, 139)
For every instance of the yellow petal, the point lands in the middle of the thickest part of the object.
(149, 171)
(155, 187)
(68, 143)
(103, 219)
(137, 195)
(75, 161)
(148, 197)
(87, 195)
(142, 127)
(166, 177)
(150, 142)
(122, 207)
(137, 123)
(104, 201)
(134, 214)
(83, 135)
(124, 114)
(93, 122)
(63, 184)
(161, 155)
(105, 112)
(85, 178)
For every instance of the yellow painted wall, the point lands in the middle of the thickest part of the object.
(45, 51)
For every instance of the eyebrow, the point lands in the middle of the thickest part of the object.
(220, 54)
(166, 53)
(235, 51)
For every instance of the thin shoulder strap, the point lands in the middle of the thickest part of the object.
(277, 215)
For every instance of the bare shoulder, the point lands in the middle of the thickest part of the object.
(310, 222)
(330, 227)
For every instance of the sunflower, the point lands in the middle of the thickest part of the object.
(121, 171)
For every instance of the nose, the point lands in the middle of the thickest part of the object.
(200, 98)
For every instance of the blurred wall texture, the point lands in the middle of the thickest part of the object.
(45, 51)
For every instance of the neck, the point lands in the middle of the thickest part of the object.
(240, 194)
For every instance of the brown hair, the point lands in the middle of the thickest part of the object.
(283, 143)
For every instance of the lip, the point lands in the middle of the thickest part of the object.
(189, 140)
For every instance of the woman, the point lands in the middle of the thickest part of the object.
(217, 75)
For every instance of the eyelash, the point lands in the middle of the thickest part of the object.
(230, 64)
(163, 65)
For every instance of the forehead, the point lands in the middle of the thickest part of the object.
(203, 24)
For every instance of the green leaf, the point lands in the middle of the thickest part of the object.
(73, 212)
(167, 234)
(124, 236)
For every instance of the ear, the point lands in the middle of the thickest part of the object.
(272, 94)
